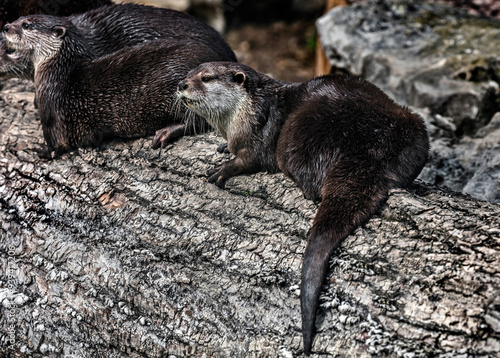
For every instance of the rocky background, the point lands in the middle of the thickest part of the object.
(125, 251)
(442, 62)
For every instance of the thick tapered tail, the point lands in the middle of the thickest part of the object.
(348, 200)
(314, 270)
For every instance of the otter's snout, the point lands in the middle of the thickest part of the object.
(182, 86)
(6, 28)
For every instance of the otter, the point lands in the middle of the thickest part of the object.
(12, 9)
(111, 28)
(83, 98)
(341, 139)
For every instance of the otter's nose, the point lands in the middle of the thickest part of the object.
(6, 28)
(182, 86)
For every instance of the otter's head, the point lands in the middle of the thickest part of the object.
(15, 63)
(40, 35)
(217, 91)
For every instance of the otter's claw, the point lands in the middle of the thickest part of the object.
(222, 173)
(212, 171)
(215, 176)
(223, 148)
(44, 152)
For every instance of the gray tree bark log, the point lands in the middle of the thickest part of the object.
(128, 252)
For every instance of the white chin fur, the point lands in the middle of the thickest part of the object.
(13, 40)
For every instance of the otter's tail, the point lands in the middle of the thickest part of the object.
(349, 198)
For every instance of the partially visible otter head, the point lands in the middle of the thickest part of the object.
(218, 91)
(41, 35)
(15, 63)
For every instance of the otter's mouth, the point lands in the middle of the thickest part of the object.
(187, 101)
(14, 42)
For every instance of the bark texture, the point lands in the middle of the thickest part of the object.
(128, 252)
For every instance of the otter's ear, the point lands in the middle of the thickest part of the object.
(60, 31)
(239, 78)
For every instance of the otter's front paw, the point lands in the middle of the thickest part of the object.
(227, 170)
(168, 134)
(216, 176)
(44, 152)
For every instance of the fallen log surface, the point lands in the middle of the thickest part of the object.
(125, 251)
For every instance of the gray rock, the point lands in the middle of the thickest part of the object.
(438, 60)
(470, 164)
(485, 154)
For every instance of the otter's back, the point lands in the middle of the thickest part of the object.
(348, 117)
(112, 27)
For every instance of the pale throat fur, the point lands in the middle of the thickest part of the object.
(227, 109)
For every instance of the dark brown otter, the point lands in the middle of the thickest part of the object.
(110, 28)
(342, 140)
(10, 10)
(130, 93)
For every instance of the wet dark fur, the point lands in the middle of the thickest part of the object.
(10, 10)
(342, 140)
(110, 28)
(130, 93)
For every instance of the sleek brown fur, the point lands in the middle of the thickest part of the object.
(129, 93)
(341, 139)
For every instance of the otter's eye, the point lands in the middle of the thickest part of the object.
(206, 79)
(26, 25)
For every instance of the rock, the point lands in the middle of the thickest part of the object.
(469, 164)
(438, 60)
(484, 154)
(476, 7)
(422, 55)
